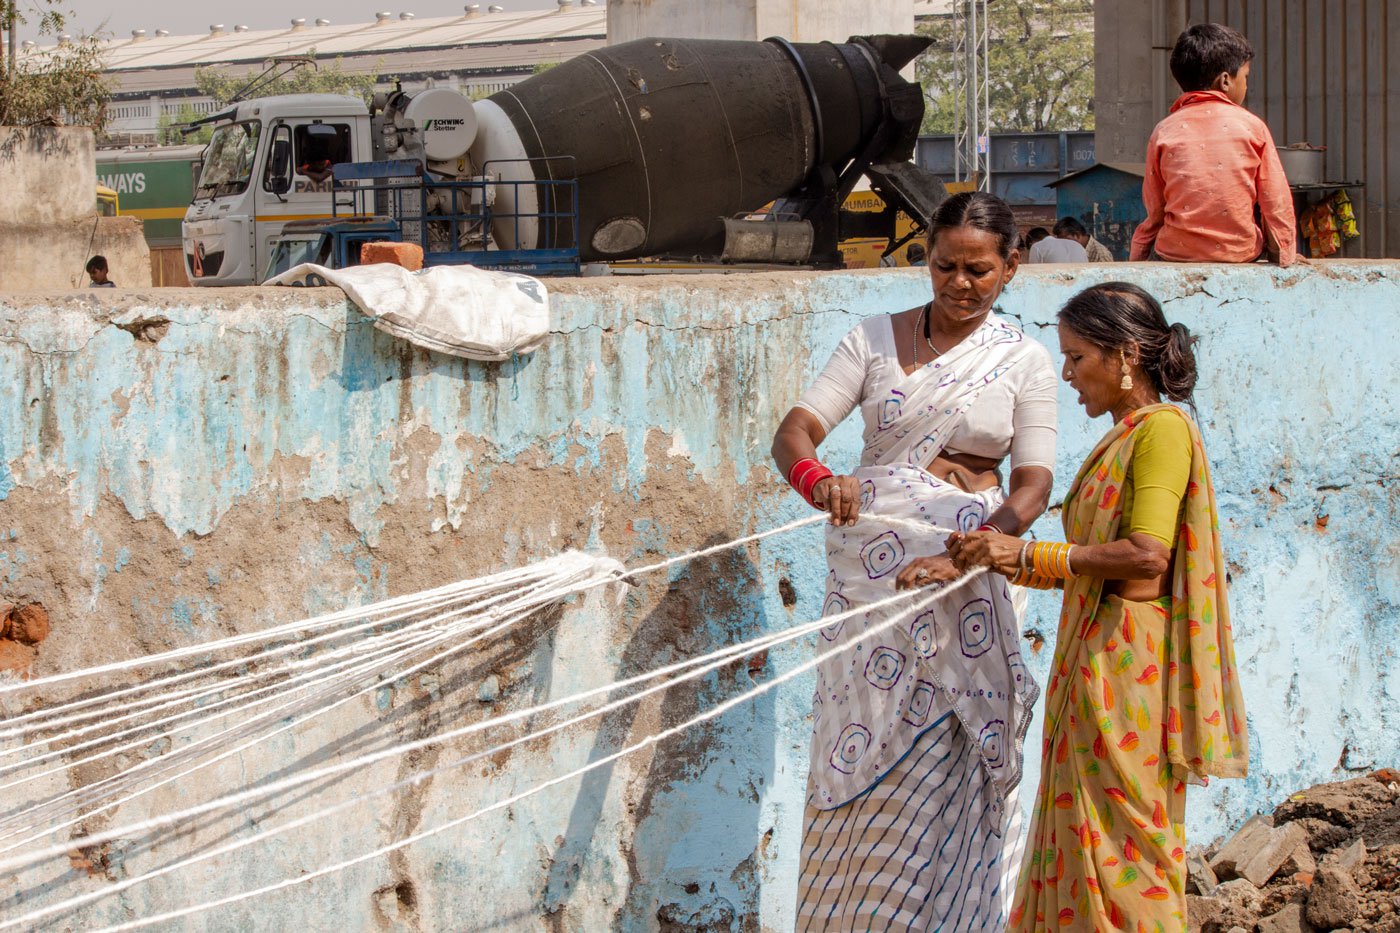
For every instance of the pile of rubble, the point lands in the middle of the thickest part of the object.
(1327, 859)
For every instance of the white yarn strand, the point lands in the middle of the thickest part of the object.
(924, 598)
(705, 664)
(317, 684)
(512, 800)
(172, 760)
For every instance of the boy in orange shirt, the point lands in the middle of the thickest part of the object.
(1210, 162)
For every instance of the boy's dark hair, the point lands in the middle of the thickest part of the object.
(95, 263)
(1204, 52)
(1067, 227)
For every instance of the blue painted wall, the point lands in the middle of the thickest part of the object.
(1108, 201)
(266, 454)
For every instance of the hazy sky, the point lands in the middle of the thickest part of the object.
(119, 17)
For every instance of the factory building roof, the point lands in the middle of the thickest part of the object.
(387, 34)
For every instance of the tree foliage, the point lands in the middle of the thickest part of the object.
(53, 86)
(222, 85)
(168, 128)
(1040, 67)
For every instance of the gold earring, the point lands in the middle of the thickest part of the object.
(1127, 383)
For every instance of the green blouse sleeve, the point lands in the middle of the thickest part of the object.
(1161, 467)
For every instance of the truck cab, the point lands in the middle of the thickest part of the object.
(268, 164)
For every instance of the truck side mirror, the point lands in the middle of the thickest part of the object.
(278, 177)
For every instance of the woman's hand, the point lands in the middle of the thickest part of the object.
(1001, 553)
(839, 495)
(924, 571)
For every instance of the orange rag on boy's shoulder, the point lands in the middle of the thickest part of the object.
(1208, 163)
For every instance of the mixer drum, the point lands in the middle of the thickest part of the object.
(668, 137)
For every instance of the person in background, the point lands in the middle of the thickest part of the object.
(1057, 248)
(1071, 229)
(1211, 162)
(97, 272)
(1144, 695)
(915, 255)
(1033, 236)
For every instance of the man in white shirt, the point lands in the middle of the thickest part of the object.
(1071, 229)
(1058, 249)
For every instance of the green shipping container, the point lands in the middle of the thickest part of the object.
(153, 184)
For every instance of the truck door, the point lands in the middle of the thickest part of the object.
(297, 176)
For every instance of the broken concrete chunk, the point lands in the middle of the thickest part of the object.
(1344, 803)
(1242, 846)
(1234, 903)
(1299, 862)
(1334, 901)
(1349, 859)
(1200, 877)
(1381, 829)
(1322, 835)
(1271, 852)
(1288, 920)
(1279, 896)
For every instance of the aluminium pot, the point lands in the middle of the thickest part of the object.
(1303, 164)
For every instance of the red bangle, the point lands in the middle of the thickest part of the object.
(804, 476)
(988, 526)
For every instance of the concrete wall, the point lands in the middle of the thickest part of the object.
(36, 257)
(804, 21)
(46, 174)
(181, 464)
(48, 223)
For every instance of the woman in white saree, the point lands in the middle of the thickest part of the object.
(911, 820)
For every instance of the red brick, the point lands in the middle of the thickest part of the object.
(408, 255)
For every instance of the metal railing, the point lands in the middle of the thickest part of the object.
(481, 221)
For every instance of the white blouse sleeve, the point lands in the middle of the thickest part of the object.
(1033, 419)
(839, 388)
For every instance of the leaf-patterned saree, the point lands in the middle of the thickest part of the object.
(1143, 697)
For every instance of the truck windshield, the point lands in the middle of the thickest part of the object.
(228, 162)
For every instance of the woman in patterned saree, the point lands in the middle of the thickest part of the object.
(1143, 696)
(916, 748)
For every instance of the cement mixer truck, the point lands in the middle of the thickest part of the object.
(738, 151)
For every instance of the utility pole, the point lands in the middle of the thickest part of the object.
(971, 93)
(10, 15)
